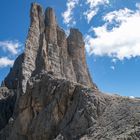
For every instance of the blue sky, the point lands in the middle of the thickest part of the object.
(110, 29)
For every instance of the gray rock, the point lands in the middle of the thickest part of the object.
(48, 49)
(7, 104)
(59, 109)
(12, 80)
(49, 94)
(76, 50)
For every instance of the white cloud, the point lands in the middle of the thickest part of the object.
(112, 67)
(94, 3)
(132, 97)
(4, 62)
(11, 46)
(68, 14)
(114, 60)
(119, 16)
(89, 14)
(122, 41)
(11, 49)
(93, 8)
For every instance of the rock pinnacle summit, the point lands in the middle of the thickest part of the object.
(48, 49)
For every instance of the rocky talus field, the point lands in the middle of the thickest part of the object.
(49, 94)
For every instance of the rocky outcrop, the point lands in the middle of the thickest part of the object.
(59, 109)
(7, 104)
(14, 77)
(76, 51)
(50, 95)
(48, 49)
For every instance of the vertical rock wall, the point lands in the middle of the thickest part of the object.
(48, 49)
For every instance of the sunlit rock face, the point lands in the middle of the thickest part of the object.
(48, 49)
(49, 95)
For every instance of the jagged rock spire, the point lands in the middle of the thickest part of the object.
(76, 49)
(50, 18)
(48, 49)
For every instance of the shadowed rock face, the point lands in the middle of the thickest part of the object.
(7, 104)
(50, 95)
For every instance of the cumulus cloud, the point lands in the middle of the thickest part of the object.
(11, 46)
(9, 50)
(119, 16)
(68, 14)
(4, 62)
(93, 8)
(122, 41)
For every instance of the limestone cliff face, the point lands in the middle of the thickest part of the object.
(48, 49)
(49, 95)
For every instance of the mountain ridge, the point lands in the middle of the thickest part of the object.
(47, 48)
(49, 94)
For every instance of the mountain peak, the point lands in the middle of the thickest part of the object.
(48, 49)
(50, 18)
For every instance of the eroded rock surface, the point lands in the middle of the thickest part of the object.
(7, 104)
(49, 95)
(48, 49)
